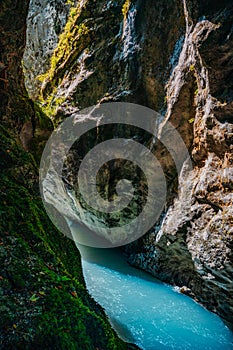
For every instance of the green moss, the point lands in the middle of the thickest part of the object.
(71, 42)
(43, 121)
(125, 8)
(43, 300)
(70, 2)
(44, 303)
(191, 121)
(51, 105)
(192, 68)
(75, 37)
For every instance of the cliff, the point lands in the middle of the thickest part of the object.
(192, 245)
(174, 57)
(44, 303)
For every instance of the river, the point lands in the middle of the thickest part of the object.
(148, 312)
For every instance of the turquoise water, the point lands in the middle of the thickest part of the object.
(147, 312)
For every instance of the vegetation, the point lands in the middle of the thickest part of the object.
(75, 36)
(192, 68)
(125, 8)
(72, 41)
(44, 303)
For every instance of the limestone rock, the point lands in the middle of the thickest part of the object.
(45, 22)
(193, 245)
(175, 57)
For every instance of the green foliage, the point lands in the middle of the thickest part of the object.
(75, 37)
(68, 41)
(69, 46)
(192, 68)
(43, 300)
(52, 104)
(191, 121)
(70, 2)
(44, 303)
(43, 121)
(125, 8)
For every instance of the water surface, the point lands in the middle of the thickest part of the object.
(147, 312)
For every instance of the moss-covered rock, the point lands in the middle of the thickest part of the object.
(43, 300)
(140, 52)
(44, 303)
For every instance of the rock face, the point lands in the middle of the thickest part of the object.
(192, 246)
(175, 57)
(43, 300)
(45, 22)
(132, 65)
(13, 90)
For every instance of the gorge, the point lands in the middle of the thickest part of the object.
(174, 57)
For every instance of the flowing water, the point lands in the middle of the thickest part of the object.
(147, 312)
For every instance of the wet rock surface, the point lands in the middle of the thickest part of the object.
(43, 300)
(45, 22)
(175, 57)
(193, 244)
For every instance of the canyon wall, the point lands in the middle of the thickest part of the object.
(43, 300)
(176, 58)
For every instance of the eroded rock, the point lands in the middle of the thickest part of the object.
(141, 59)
